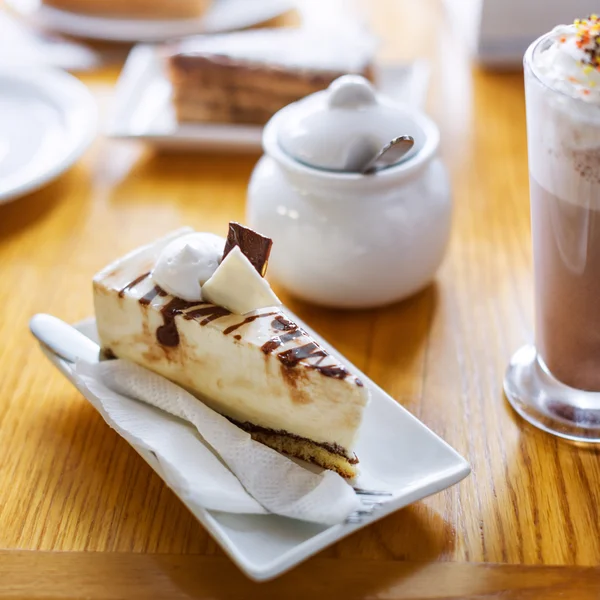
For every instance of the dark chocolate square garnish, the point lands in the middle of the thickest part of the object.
(255, 247)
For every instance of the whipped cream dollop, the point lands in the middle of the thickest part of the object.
(187, 263)
(571, 62)
(192, 268)
(563, 129)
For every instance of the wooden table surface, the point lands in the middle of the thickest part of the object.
(81, 515)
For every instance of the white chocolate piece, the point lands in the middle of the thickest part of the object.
(238, 286)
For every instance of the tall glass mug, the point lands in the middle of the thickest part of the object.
(555, 384)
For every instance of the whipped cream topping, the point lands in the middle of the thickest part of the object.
(187, 263)
(563, 112)
(192, 268)
(570, 63)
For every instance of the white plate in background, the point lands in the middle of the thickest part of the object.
(398, 454)
(223, 15)
(23, 46)
(143, 108)
(48, 118)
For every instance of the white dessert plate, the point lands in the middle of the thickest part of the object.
(398, 454)
(22, 46)
(48, 118)
(223, 15)
(143, 108)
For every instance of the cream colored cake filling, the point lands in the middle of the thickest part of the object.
(257, 367)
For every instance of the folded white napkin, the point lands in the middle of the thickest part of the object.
(191, 449)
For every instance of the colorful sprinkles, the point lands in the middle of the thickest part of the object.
(588, 40)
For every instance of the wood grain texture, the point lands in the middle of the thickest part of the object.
(68, 482)
(112, 576)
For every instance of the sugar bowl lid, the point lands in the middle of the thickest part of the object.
(340, 128)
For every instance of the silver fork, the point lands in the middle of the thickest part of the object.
(371, 500)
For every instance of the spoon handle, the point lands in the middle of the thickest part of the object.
(63, 339)
(390, 154)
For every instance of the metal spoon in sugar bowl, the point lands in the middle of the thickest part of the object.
(389, 155)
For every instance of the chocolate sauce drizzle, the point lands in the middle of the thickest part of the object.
(292, 357)
(168, 335)
(133, 283)
(155, 291)
(247, 320)
(211, 312)
(275, 342)
(335, 371)
(283, 324)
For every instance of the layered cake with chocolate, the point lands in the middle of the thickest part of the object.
(247, 76)
(196, 309)
(134, 9)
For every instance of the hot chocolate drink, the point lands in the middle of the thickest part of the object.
(566, 246)
(563, 126)
(556, 384)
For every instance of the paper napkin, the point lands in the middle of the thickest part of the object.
(207, 460)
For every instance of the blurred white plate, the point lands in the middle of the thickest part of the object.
(143, 108)
(23, 46)
(48, 118)
(398, 454)
(223, 15)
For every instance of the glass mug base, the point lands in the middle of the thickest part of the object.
(549, 404)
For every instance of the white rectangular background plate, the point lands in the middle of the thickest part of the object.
(397, 454)
(142, 109)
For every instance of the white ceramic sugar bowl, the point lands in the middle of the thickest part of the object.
(342, 238)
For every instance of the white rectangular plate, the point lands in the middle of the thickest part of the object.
(397, 454)
(223, 15)
(143, 110)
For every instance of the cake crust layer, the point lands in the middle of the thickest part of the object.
(298, 447)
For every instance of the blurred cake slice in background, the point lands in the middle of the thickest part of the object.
(247, 76)
(134, 9)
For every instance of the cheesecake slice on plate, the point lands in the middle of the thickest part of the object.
(196, 309)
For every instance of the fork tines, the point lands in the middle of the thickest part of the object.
(362, 492)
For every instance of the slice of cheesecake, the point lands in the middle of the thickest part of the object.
(247, 76)
(259, 369)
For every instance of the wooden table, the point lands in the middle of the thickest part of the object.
(82, 515)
